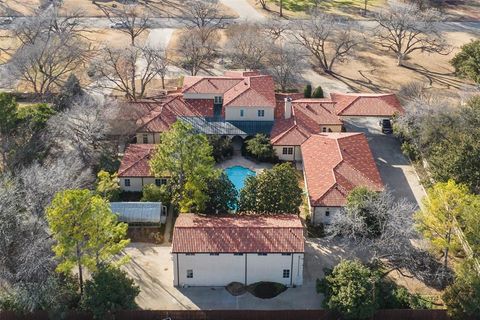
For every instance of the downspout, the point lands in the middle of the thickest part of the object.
(291, 272)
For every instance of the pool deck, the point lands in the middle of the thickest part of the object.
(243, 162)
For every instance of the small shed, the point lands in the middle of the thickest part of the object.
(140, 212)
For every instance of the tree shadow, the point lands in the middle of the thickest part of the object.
(446, 79)
(360, 84)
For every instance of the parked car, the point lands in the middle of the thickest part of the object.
(386, 125)
(6, 21)
(118, 25)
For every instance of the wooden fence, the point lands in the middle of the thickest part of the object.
(239, 315)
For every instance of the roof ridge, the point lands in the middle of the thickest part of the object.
(137, 161)
(350, 104)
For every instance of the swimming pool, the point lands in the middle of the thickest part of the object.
(237, 175)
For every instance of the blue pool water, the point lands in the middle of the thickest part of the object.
(237, 175)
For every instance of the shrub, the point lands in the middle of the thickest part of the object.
(109, 290)
(222, 147)
(260, 148)
(153, 193)
(467, 61)
(307, 92)
(318, 93)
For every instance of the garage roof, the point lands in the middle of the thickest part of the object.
(281, 233)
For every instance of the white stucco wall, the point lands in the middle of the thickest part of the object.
(208, 270)
(296, 156)
(226, 268)
(152, 138)
(249, 113)
(320, 216)
(136, 183)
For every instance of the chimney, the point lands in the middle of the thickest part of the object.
(288, 108)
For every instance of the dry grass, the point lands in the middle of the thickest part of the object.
(157, 8)
(376, 71)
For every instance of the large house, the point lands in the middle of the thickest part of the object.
(383, 105)
(334, 164)
(215, 251)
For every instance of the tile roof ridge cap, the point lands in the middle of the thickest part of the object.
(198, 78)
(350, 104)
(138, 160)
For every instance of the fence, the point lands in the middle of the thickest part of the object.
(402, 314)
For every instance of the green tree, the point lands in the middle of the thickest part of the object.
(445, 204)
(467, 61)
(85, 230)
(110, 290)
(187, 158)
(8, 113)
(221, 147)
(462, 298)
(307, 92)
(261, 148)
(222, 195)
(153, 193)
(108, 185)
(350, 290)
(318, 93)
(272, 191)
(36, 116)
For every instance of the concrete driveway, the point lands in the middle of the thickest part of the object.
(395, 169)
(151, 267)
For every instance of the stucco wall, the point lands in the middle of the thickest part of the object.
(226, 268)
(320, 216)
(296, 156)
(152, 137)
(136, 183)
(249, 113)
(334, 128)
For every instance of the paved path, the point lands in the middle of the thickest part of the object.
(169, 225)
(244, 10)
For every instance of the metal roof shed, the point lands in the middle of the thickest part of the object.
(140, 212)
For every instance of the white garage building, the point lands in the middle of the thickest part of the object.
(215, 251)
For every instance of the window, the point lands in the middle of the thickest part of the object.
(324, 129)
(238, 254)
(330, 130)
(327, 213)
(287, 150)
(218, 100)
(190, 273)
(214, 254)
(286, 273)
(127, 182)
(189, 254)
(286, 254)
(161, 181)
(145, 138)
(242, 113)
(261, 113)
(262, 254)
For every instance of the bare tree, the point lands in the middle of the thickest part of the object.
(84, 129)
(128, 70)
(387, 234)
(263, 3)
(404, 28)
(246, 47)
(195, 54)
(285, 64)
(52, 47)
(275, 29)
(328, 39)
(204, 16)
(161, 64)
(131, 19)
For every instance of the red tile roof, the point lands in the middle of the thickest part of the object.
(365, 104)
(336, 163)
(238, 88)
(238, 234)
(135, 161)
(162, 115)
(308, 117)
